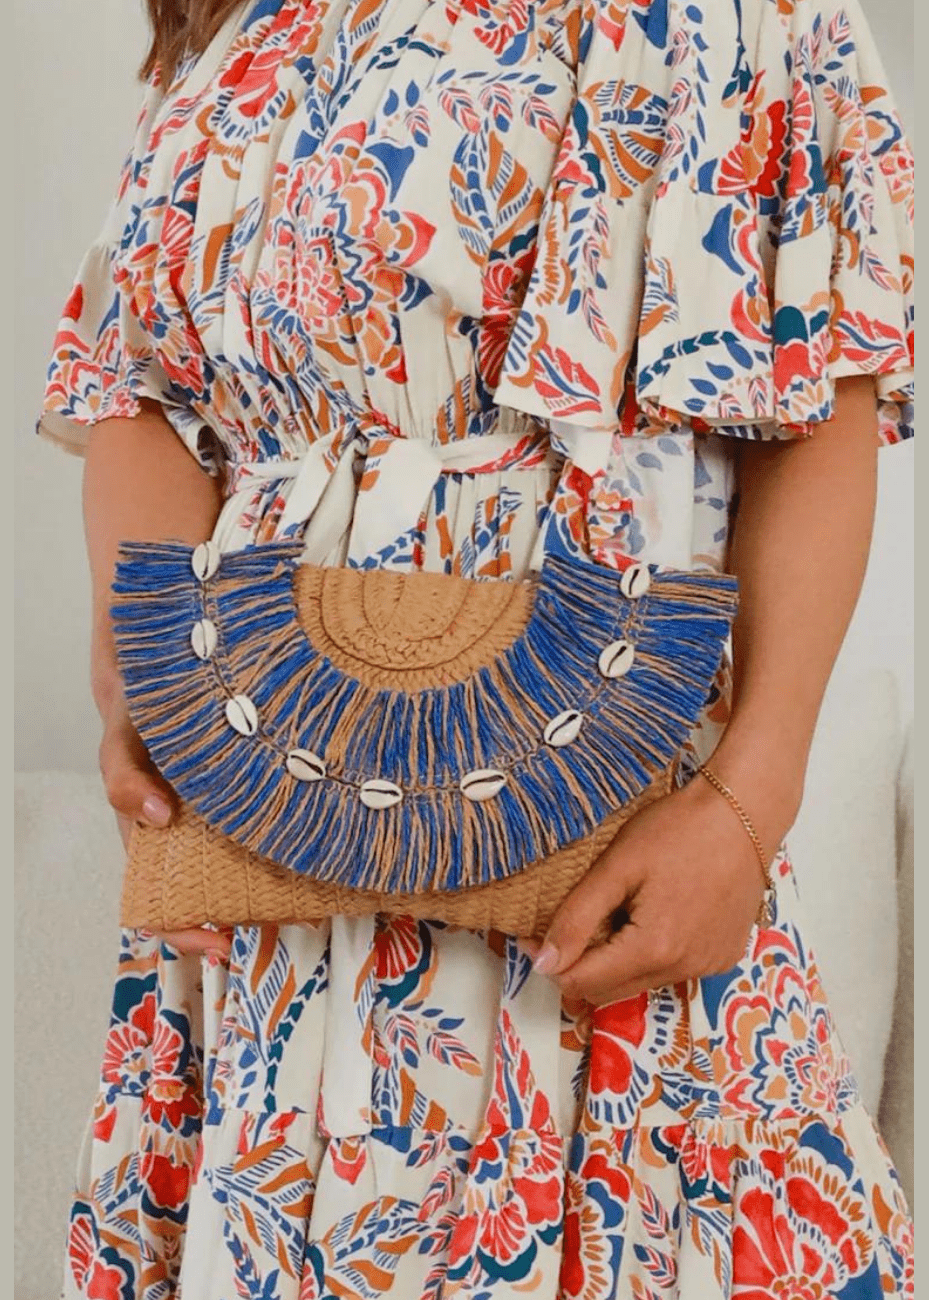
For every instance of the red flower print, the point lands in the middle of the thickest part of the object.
(404, 960)
(611, 21)
(75, 304)
(800, 1232)
(595, 1199)
(514, 1189)
(167, 1046)
(618, 1029)
(168, 1184)
(198, 1160)
(254, 77)
(143, 1014)
(768, 148)
(167, 1102)
(105, 1283)
(503, 1230)
(900, 1234)
(104, 1124)
(405, 236)
(127, 1052)
(793, 361)
(81, 1246)
(759, 160)
(349, 1158)
(703, 1160)
(503, 287)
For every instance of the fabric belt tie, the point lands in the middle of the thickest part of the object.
(325, 485)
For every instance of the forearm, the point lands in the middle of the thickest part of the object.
(800, 548)
(140, 483)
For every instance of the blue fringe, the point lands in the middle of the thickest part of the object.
(424, 741)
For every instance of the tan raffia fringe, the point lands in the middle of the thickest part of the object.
(188, 874)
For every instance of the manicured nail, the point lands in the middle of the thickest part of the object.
(214, 957)
(156, 810)
(547, 959)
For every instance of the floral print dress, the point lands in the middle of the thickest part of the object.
(405, 274)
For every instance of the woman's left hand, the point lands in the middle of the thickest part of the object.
(686, 873)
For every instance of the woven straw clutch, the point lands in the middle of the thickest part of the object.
(347, 741)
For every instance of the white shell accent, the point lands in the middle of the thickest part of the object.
(564, 728)
(305, 765)
(635, 580)
(483, 783)
(205, 560)
(616, 659)
(380, 794)
(242, 715)
(203, 638)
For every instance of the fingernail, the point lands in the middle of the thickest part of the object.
(214, 957)
(156, 810)
(547, 959)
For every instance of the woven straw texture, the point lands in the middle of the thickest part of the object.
(189, 873)
(424, 678)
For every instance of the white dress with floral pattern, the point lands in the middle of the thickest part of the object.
(400, 271)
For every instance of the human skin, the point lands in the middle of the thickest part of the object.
(684, 868)
(140, 483)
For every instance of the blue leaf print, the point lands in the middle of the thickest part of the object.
(740, 355)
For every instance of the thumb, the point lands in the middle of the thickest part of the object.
(608, 883)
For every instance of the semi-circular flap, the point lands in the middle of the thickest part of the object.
(423, 744)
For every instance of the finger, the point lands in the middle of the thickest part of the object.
(608, 883)
(125, 825)
(644, 983)
(197, 940)
(133, 787)
(629, 958)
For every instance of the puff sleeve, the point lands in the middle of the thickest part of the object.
(103, 360)
(728, 230)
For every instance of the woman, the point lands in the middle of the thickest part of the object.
(662, 254)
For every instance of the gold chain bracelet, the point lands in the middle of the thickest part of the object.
(766, 909)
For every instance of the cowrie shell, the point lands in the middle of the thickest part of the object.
(242, 715)
(483, 783)
(205, 560)
(564, 728)
(380, 794)
(305, 765)
(616, 659)
(203, 638)
(635, 581)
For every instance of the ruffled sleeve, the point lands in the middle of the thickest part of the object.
(103, 362)
(728, 230)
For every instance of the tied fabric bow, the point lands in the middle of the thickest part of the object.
(323, 483)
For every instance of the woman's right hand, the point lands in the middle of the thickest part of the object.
(138, 793)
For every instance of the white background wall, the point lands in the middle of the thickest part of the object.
(74, 67)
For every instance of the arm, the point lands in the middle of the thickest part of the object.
(800, 548)
(684, 866)
(140, 483)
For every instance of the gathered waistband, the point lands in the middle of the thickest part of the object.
(395, 468)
